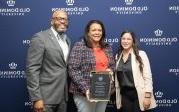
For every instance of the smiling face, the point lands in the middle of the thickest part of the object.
(95, 33)
(60, 21)
(126, 41)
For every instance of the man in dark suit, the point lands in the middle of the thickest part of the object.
(46, 67)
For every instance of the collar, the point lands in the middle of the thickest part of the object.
(54, 32)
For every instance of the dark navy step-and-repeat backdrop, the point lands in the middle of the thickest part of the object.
(156, 23)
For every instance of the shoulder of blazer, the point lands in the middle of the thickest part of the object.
(41, 37)
(142, 54)
(80, 45)
(44, 31)
(43, 34)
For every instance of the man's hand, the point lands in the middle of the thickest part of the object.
(39, 106)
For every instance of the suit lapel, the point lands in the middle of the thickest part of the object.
(56, 44)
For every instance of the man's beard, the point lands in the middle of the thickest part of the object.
(59, 30)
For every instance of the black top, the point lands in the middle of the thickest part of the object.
(124, 73)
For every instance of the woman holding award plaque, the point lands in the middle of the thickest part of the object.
(88, 55)
(133, 78)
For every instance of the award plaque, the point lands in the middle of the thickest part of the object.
(100, 86)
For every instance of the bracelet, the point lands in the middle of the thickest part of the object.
(147, 95)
